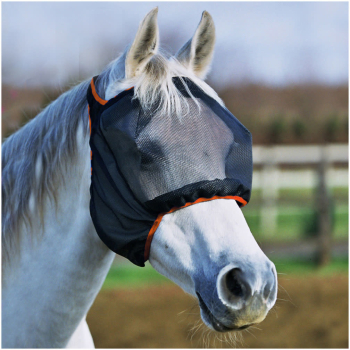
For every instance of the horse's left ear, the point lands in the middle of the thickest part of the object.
(198, 52)
(145, 45)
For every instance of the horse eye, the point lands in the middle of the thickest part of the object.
(151, 152)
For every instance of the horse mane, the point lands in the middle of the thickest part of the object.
(155, 85)
(36, 158)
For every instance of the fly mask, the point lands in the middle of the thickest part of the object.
(146, 164)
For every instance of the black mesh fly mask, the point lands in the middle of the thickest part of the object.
(146, 164)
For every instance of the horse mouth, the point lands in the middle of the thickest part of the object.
(216, 324)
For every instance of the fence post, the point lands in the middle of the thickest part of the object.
(269, 193)
(323, 208)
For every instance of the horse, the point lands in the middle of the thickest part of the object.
(53, 261)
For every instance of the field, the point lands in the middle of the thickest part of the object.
(149, 312)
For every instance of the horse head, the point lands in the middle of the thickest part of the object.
(206, 248)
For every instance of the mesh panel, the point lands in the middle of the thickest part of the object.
(160, 153)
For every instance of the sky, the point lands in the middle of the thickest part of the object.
(271, 43)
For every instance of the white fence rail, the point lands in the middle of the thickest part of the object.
(268, 160)
(337, 153)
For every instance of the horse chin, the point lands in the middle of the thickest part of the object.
(217, 325)
(210, 320)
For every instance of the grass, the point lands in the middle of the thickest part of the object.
(302, 195)
(129, 276)
(306, 267)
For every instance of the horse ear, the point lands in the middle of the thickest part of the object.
(145, 45)
(198, 52)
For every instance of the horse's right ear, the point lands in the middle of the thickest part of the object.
(198, 52)
(145, 45)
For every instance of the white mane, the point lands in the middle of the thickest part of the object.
(155, 84)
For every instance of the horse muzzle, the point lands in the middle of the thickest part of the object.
(244, 297)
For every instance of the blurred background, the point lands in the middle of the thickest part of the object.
(282, 70)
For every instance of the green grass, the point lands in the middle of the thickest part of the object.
(302, 267)
(340, 192)
(302, 194)
(129, 276)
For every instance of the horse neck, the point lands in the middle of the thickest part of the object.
(61, 267)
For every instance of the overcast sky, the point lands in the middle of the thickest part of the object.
(274, 43)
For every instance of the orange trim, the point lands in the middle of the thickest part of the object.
(160, 217)
(101, 101)
(97, 98)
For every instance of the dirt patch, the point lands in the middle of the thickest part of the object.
(313, 313)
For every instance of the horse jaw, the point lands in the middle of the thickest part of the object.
(200, 247)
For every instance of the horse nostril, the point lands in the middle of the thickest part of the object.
(247, 289)
(233, 284)
(269, 291)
